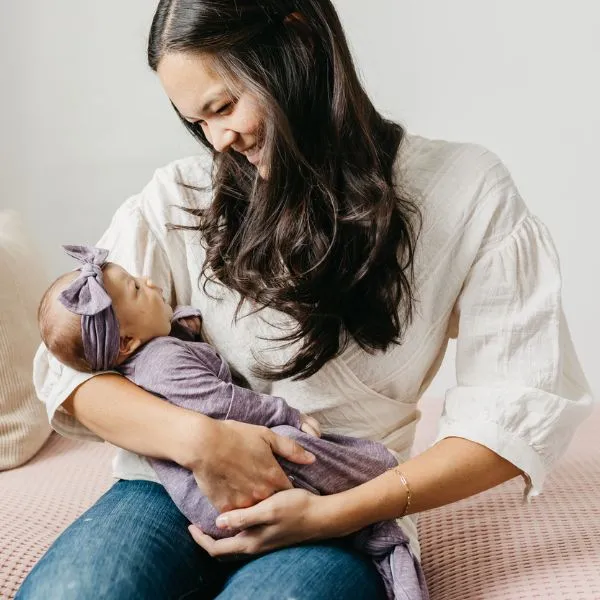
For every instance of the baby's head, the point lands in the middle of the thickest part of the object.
(94, 318)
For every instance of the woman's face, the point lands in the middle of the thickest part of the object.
(201, 96)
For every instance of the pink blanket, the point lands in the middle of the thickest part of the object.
(490, 547)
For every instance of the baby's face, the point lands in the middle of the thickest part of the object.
(139, 305)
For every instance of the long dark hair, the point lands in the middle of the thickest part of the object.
(328, 237)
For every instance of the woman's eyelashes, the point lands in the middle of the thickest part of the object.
(225, 108)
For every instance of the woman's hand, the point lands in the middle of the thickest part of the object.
(287, 518)
(236, 468)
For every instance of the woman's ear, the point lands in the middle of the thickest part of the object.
(127, 346)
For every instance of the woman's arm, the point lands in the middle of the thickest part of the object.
(125, 415)
(451, 470)
(233, 462)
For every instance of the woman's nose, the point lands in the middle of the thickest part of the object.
(221, 138)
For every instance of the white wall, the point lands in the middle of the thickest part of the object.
(83, 122)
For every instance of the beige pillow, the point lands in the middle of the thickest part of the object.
(23, 423)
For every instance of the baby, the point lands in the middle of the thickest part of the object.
(101, 318)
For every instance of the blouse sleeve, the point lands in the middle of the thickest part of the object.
(520, 389)
(133, 243)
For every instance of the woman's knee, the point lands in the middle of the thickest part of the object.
(133, 543)
(57, 578)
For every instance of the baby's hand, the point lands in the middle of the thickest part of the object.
(310, 425)
(194, 324)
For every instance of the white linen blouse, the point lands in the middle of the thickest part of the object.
(486, 272)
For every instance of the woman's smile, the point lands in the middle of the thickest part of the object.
(253, 155)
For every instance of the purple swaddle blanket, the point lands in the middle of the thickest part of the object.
(193, 375)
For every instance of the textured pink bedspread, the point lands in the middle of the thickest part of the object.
(39, 500)
(490, 547)
(493, 547)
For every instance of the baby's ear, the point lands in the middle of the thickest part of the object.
(127, 346)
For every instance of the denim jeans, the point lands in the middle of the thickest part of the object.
(134, 543)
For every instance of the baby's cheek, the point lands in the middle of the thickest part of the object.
(166, 320)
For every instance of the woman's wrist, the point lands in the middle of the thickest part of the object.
(336, 518)
(193, 433)
(377, 500)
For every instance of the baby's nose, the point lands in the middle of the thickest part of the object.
(151, 284)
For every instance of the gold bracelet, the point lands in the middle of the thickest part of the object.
(405, 483)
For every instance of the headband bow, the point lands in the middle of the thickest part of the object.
(87, 296)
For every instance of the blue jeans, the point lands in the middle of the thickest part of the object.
(134, 543)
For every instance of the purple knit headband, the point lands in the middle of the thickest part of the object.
(86, 296)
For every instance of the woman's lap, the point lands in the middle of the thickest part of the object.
(307, 572)
(134, 543)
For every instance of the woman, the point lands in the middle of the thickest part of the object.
(332, 256)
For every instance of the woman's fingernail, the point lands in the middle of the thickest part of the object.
(222, 521)
(310, 455)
